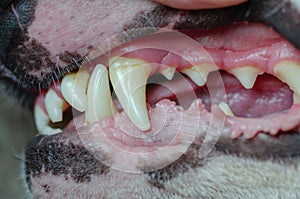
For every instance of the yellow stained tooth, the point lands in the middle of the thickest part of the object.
(289, 72)
(226, 109)
(168, 72)
(55, 106)
(100, 105)
(129, 78)
(73, 89)
(199, 73)
(42, 121)
(247, 75)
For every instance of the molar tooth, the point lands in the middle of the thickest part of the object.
(199, 73)
(129, 78)
(55, 106)
(100, 105)
(289, 72)
(73, 88)
(226, 109)
(247, 75)
(168, 72)
(42, 121)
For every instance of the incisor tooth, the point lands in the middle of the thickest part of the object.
(226, 109)
(129, 78)
(100, 105)
(168, 72)
(73, 88)
(199, 73)
(42, 121)
(247, 75)
(55, 106)
(289, 72)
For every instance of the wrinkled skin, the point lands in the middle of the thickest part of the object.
(50, 38)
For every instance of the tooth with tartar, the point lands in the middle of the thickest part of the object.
(168, 72)
(55, 106)
(73, 88)
(129, 78)
(288, 72)
(226, 109)
(100, 105)
(42, 121)
(199, 73)
(247, 75)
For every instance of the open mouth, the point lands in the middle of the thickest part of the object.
(142, 104)
(255, 64)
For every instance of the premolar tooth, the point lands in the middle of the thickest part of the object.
(42, 121)
(73, 88)
(100, 105)
(168, 72)
(247, 75)
(129, 78)
(289, 72)
(199, 73)
(226, 109)
(55, 106)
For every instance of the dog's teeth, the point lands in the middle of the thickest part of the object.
(199, 74)
(42, 121)
(55, 106)
(168, 72)
(73, 89)
(226, 109)
(296, 99)
(129, 78)
(289, 72)
(247, 75)
(100, 105)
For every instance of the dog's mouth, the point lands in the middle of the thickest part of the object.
(139, 106)
(256, 88)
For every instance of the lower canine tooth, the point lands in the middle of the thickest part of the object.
(296, 99)
(289, 72)
(55, 106)
(226, 109)
(73, 88)
(129, 78)
(247, 75)
(199, 73)
(42, 121)
(100, 105)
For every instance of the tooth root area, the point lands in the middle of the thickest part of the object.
(226, 109)
(247, 75)
(168, 72)
(55, 106)
(199, 73)
(129, 78)
(288, 72)
(42, 121)
(100, 105)
(73, 88)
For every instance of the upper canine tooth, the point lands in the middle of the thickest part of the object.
(129, 78)
(199, 73)
(289, 72)
(55, 106)
(168, 72)
(73, 88)
(247, 75)
(100, 105)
